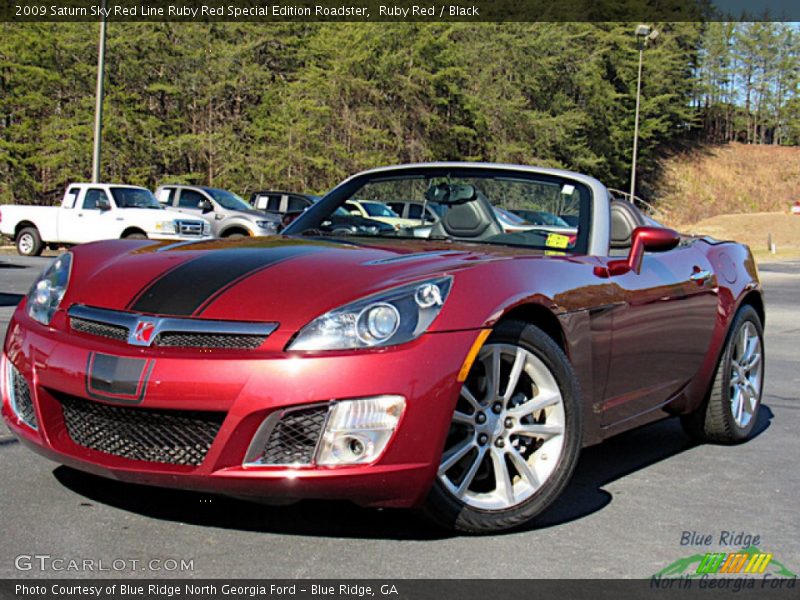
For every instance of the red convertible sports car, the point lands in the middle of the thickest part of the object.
(453, 367)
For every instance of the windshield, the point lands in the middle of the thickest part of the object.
(475, 205)
(228, 200)
(135, 198)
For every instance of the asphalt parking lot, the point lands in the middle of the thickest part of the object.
(623, 515)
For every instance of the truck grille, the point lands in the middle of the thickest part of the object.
(293, 438)
(190, 227)
(153, 435)
(21, 397)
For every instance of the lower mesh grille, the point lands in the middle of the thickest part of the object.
(293, 439)
(21, 398)
(210, 340)
(114, 332)
(153, 435)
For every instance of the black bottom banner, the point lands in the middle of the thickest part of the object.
(400, 589)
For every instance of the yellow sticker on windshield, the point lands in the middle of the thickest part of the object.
(556, 240)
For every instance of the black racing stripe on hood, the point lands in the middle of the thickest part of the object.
(189, 288)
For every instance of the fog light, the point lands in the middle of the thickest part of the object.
(18, 394)
(358, 431)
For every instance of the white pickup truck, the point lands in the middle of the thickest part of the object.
(96, 211)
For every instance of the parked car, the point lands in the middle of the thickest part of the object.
(290, 205)
(541, 217)
(279, 202)
(461, 373)
(341, 222)
(513, 223)
(96, 211)
(378, 211)
(413, 210)
(227, 213)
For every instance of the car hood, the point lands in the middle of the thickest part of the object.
(274, 279)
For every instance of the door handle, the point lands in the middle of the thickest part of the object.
(700, 276)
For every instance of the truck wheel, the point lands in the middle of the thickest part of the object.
(136, 235)
(29, 242)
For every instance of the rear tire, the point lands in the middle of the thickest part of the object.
(521, 430)
(730, 412)
(29, 242)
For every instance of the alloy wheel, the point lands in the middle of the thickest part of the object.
(746, 374)
(507, 433)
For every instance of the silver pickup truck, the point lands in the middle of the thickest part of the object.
(96, 211)
(228, 214)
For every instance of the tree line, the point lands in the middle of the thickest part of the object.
(300, 106)
(748, 83)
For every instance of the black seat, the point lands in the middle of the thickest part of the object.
(625, 217)
(473, 220)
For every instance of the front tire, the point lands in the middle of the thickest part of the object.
(29, 242)
(730, 413)
(515, 436)
(135, 235)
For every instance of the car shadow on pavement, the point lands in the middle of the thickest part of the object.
(599, 465)
(617, 457)
(10, 299)
(316, 518)
(8, 265)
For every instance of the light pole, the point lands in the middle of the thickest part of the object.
(98, 106)
(644, 33)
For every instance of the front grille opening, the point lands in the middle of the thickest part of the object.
(172, 339)
(114, 332)
(21, 397)
(154, 435)
(227, 341)
(190, 227)
(294, 437)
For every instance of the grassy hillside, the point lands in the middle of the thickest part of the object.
(737, 192)
(730, 179)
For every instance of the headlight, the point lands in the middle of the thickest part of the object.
(386, 319)
(48, 290)
(268, 225)
(206, 228)
(167, 226)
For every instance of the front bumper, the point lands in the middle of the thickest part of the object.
(178, 237)
(249, 386)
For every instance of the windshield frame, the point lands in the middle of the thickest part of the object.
(591, 239)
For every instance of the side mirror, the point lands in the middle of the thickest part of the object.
(206, 206)
(103, 204)
(644, 239)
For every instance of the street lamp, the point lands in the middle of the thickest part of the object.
(644, 34)
(98, 106)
